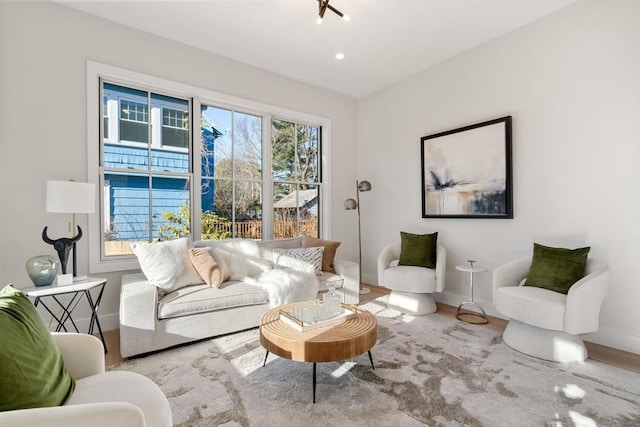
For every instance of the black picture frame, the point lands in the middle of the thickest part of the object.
(467, 172)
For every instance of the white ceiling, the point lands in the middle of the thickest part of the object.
(384, 42)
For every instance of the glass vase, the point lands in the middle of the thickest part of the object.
(42, 269)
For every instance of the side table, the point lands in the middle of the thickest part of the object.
(468, 315)
(77, 290)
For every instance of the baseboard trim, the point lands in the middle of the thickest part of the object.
(107, 322)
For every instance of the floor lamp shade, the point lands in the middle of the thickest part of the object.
(74, 198)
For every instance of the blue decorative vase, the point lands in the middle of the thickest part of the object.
(42, 269)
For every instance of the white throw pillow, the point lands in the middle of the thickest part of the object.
(167, 264)
(302, 259)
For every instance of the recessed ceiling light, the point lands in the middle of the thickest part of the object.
(339, 55)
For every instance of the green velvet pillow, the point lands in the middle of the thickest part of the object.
(556, 269)
(418, 249)
(32, 372)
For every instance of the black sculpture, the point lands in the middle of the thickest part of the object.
(63, 246)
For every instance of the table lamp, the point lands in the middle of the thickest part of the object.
(74, 198)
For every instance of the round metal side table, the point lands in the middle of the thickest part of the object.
(467, 315)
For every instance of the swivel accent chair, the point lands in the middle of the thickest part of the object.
(547, 324)
(411, 287)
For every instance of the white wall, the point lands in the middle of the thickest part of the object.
(571, 81)
(44, 48)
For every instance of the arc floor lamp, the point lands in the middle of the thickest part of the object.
(349, 205)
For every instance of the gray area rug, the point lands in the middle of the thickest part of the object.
(429, 370)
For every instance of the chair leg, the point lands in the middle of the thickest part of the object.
(412, 303)
(555, 346)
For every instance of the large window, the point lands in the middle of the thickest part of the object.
(253, 170)
(146, 188)
(232, 179)
(295, 159)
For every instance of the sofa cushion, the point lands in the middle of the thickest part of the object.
(418, 249)
(202, 298)
(212, 272)
(329, 253)
(531, 305)
(406, 278)
(301, 259)
(167, 264)
(556, 269)
(32, 372)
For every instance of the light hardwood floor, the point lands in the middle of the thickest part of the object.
(608, 355)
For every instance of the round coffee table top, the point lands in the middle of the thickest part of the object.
(327, 344)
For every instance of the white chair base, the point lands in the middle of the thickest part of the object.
(556, 346)
(412, 303)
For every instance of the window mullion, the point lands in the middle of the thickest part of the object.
(195, 131)
(298, 163)
(321, 199)
(149, 172)
(233, 174)
(267, 177)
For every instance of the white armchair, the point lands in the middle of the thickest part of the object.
(100, 399)
(411, 287)
(544, 323)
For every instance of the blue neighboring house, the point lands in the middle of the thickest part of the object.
(126, 193)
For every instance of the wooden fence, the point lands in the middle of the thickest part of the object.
(245, 229)
(281, 229)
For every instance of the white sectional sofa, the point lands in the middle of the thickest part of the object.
(152, 319)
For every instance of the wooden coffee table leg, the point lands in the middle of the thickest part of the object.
(371, 360)
(265, 359)
(314, 382)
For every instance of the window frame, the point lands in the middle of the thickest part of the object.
(296, 180)
(97, 71)
(265, 141)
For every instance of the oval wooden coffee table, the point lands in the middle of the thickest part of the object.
(326, 344)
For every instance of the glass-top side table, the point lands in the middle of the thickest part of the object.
(77, 290)
(467, 315)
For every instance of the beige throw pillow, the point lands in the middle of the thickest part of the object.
(328, 254)
(212, 272)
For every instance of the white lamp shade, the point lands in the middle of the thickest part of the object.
(71, 197)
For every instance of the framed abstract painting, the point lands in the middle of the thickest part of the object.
(466, 172)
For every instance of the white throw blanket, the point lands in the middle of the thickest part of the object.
(286, 286)
(243, 261)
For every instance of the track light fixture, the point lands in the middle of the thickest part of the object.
(323, 5)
